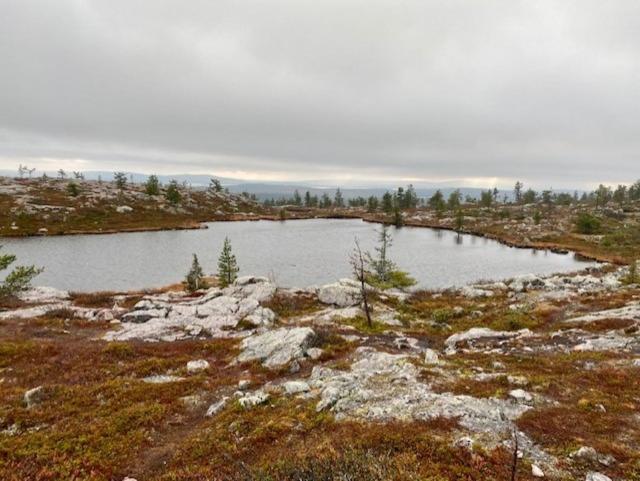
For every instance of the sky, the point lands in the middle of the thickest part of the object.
(351, 92)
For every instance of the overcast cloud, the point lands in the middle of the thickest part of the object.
(353, 91)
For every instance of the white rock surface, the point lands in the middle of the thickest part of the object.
(520, 395)
(536, 472)
(277, 348)
(216, 407)
(161, 379)
(33, 396)
(216, 314)
(344, 293)
(477, 333)
(631, 311)
(197, 366)
(431, 356)
(253, 399)
(295, 387)
(43, 295)
(594, 476)
(381, 386)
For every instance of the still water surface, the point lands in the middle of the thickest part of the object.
(294, 253)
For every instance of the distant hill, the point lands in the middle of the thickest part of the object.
(278, 190)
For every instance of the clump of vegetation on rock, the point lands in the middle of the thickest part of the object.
(383, 273)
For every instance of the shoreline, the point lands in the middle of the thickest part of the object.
(201, 224)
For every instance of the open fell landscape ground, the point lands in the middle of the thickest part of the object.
(256, 382)
(533, 377)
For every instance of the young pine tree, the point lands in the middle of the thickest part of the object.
(227, 265)
(194, 279)
(17, 280)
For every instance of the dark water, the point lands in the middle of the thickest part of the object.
(294, 253)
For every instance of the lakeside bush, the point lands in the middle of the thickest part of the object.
(587, 224)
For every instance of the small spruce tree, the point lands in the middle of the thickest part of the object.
(382, 265)
(173, 194)
(152, 186)
(227, 265)
(194, 279)
(537, 217)
(72, 189)
(633, 277)
(398, 220)
(459, 220)
(120, 179)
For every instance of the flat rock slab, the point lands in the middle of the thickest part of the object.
(277, 348)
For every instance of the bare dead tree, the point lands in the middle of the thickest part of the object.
(514, 462)
(358, 261)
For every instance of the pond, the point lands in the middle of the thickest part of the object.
(294, 253)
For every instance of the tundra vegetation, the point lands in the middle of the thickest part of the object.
(247, 381)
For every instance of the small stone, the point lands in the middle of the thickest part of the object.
(431, 356)
(593, 476)
(34, 396)
(295, 387)
(294, 367)
(315, 353)
(216, 407)
(197, 366)
(520, 395)
(161, 379)
(585, 452)
(244, 384)
(536, 472)
(465, 443)
(253, 399)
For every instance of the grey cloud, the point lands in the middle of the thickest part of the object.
(544, 91)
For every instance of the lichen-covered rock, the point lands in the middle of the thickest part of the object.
(216, 407)
(34, 396)
(253, 399)
(382, 386)
(277, 348)
(475, 292)
(481, 333)
(630, 311)
(43, 295)
(295, 387)
(196, 366)
(161, 379)
(344, 293)
(593, 476)
(165, 318)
